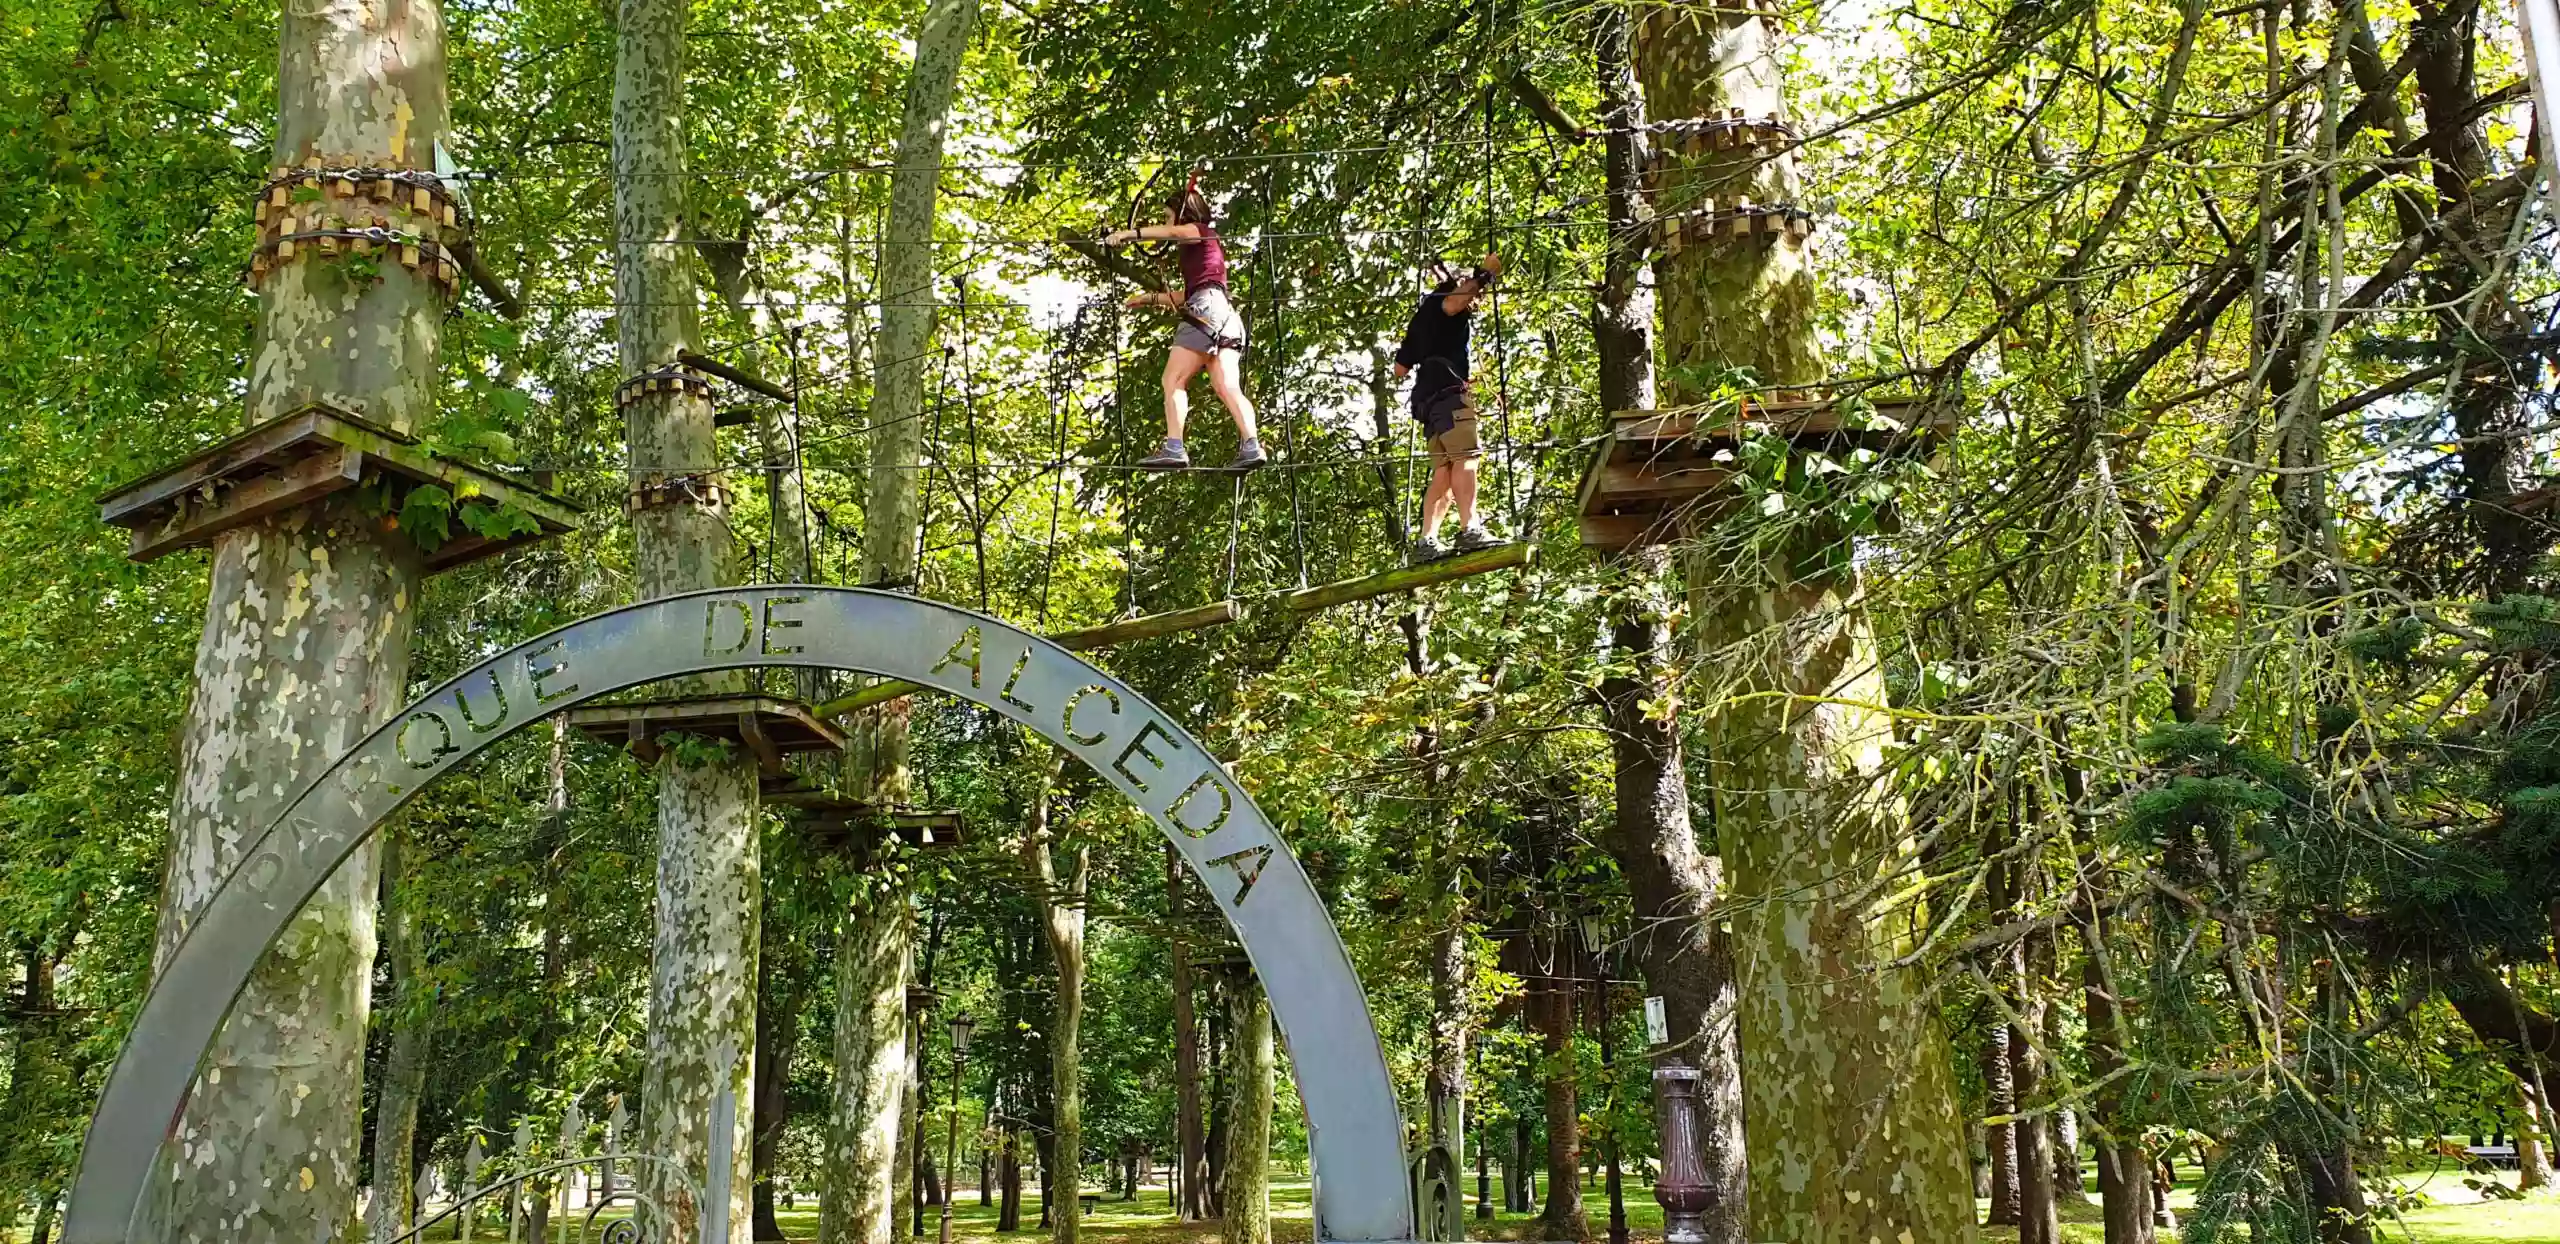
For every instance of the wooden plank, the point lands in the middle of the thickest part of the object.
(785, 725)
(641, 745)
(1108, 634)
(1624, 531)
(1616, 483)
(315, 477)
(751, 732)
(1409, 578)
(125, 504)
(405, 457)
(1607, 446)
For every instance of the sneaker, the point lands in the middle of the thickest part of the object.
(1249, 455)
(1474, 538)
(1428, 549)
(1171, 457)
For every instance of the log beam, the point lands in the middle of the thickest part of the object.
(743, 379)
(1409, 578)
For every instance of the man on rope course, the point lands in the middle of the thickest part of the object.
(1211, 335)
(1434, 352)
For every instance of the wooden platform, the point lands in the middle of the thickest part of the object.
(768, 727)
(1655, 470)
(839, 824)
(302, 457)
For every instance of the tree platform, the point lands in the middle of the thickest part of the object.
(769, 727)
(835, 823)
(1655, 471)
(303, 456)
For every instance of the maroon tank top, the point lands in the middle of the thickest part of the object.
(1204, 263)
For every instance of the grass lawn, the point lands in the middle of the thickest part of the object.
(2457, 1216)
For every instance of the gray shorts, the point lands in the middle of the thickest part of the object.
(1209, 305)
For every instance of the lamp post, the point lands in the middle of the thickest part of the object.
(1595, 944)
(961, 1025)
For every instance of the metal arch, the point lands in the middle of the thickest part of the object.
(1355, 1133)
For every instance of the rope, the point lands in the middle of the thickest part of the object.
(928, 460)
(977, 454)
(1279, 334)
(1493, 297)
(1120, 423)
(1235, 533)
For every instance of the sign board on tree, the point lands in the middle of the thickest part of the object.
(1657, 1022)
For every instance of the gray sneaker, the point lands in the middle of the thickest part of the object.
(1428, 549)
(1171, 457)
(1477, 537)
(1249, 455)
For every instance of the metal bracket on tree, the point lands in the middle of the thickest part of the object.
(1767, 222)
(332, 211)
(664, 380)
(701, 490)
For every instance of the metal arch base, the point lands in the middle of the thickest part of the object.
(1355, 1133)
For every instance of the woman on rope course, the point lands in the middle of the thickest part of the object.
(1434, 352)
(1211, 335)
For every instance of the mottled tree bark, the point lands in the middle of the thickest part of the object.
(305, 648)
(404, 1065)
(858, 1198)
(1246, 1217)
(702, 994)
(1191, 1157)
(2533, 1140)
(1848, 1094)
(1062, 919)
(1683, 954)
(860, 1180)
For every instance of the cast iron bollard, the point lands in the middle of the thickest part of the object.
(1683, 1189)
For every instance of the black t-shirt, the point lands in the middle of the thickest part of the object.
(1435, 345)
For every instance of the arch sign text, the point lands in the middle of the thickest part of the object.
(1353, 1124)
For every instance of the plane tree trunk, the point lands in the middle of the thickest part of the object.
(1246, 1217)
(404, 1066)
(860, 1200)
(1848, 1095)
(702, 995)
(1062, 921)
(1684, 955)
(305, 648)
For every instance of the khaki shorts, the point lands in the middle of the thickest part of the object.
(1451, 427)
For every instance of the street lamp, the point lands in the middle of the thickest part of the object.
(1595, 945)
(961, 1026)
